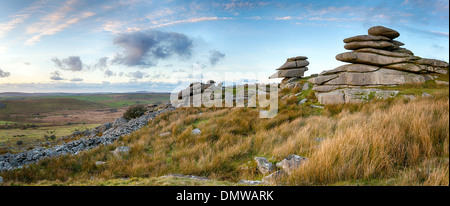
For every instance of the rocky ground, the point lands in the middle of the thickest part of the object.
(101, 135)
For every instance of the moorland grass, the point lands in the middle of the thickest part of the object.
(384, 142)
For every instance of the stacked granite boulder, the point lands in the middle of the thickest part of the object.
(376, 60)
(292, 70)
(186, 96)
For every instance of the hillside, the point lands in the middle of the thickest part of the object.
(398, 141)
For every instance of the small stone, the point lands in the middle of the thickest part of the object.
(99, 163)
(250, 182)
(303, 101)
(264, 166)
(305, 87)
(291, 162)
(196, 131)
(410, 97)
(165, 134)
(274, 177)
(123, 150)
(426, 95)
(441, 82)
(316, 106)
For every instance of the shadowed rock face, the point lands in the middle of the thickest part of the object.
(376, 60)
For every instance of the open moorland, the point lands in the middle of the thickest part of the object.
(396, 141)
(28, 119)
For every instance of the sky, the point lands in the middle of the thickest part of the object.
(149, 45)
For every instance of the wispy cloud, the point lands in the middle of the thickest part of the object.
(236, 5)
(440, 33)
(191, 20)
(56, 22)
(20, 17)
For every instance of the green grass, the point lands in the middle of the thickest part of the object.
(7, 123)
(9, 137)
(136, 181)
(35, 106)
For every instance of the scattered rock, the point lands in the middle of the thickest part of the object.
(410, 97)
(98, 163)
(264, 166)
(426, 95)
(120, 151)
(186, 176)
(441, 82)
(165, 134)
(316, 106)
(291, 162)
(305, 87)
(196, 131)
(274, 177)
(303, 101)
(250, 182)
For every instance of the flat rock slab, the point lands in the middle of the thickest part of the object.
(297, 72)
(352, 95)
(325, 88)
(297, 58)
(403, 50)
(379, 77)
(383, 31)
(432, 62)
(383, 52)
(366, 38)
(370, 44)
(372, 59)
(294, 64)
(351, 68)
(417, 68)
(322, 79)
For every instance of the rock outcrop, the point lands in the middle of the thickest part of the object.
(185, 96)
(291, 71)
(376, 60)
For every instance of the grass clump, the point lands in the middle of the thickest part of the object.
(134, 111)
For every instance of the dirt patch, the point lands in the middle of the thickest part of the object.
(80, 116)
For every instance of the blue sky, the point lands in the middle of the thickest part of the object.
(138, 45)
